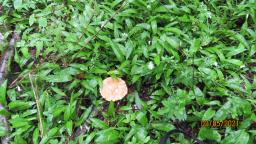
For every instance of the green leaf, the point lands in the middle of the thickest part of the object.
(58, 91)
(140, 104)
(18, 122)
(173, 42)
(200, 98)
(171, 45)
(69, 127)
(163, 126)
(58, 78)
(195, 45)
(20, 105)
(157, 60)
(234, 61)
(129, 49)
(99, 123)
(35, 136)
(154, 26)
(237, 137)
(210, 134)
(137, 70)
(142, 118)
(141, 135)
(208, 114)
(117, 51)
(32, 19)
(235, 51)
(25, 52)
(252, 50)
(84, 116)
(241, 39)
(89, 138)
(17, 4)
(90, 85)
(42, 22)
(71, 37)
(18, 139)
(39, 47)
(3, 87)
(131, 133)
(51, 133)
(70, 109)
(107, 136)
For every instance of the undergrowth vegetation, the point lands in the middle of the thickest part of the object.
(183, 61)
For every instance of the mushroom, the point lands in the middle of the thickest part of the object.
(113, 89)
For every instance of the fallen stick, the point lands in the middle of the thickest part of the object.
(37, 105)
(6, 58)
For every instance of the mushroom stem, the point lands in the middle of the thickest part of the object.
(111, 108)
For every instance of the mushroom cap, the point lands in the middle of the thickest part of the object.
(113, 89)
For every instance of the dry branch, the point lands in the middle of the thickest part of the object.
(37, 105)
(5, 60)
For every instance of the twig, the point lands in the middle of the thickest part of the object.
(20, 78)
(89, 21)
(5, 61)
(106, 22)
(37, 105)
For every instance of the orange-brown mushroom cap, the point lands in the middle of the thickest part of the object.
(113, 89)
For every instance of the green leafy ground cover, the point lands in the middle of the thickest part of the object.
(184, 61)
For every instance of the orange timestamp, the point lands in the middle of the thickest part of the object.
(224, 123)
